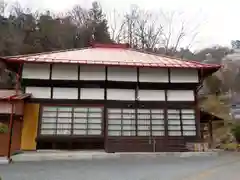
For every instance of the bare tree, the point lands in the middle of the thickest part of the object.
(130, 25)
(3, 6)
(149, 30)
(79, 16)
(173, 31)
(141, 29)
(178, 28)
(116, 25)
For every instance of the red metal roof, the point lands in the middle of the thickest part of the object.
(114, 54)
(11, 95)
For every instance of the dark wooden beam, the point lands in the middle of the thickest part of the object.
(108, 84)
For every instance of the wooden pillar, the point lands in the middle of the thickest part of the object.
(105, 115)
(210, 130)
(10, 132)
(197, 115)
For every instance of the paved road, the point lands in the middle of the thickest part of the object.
(225, 167)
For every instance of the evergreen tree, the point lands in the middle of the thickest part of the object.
(99, 24)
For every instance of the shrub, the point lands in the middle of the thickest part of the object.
(236, 132)
(3, 128)
(230, 146)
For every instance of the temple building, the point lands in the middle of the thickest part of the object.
(109, 97)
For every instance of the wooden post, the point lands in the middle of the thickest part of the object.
(197, 115)
(210, 130)
(11, 122)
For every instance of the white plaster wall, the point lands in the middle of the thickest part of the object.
(180, 95)
(151, 95)
(92, 72)
(39, 92)
(65, 71)
(153, 75)
(121, 94)
(36, 71)
(184, 76)
(65, 93)
(92, 93)
(122, 74)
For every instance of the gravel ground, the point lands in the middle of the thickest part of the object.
(226, 166)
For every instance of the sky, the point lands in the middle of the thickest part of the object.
(217, 19)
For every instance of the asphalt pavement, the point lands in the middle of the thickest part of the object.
(223, 167)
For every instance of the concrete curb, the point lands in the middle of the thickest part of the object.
(4, 160)
(28, 157)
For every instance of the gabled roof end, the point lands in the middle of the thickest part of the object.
(113, 45)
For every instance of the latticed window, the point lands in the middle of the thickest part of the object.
(71, 120)
(174, 122)
(188, 122)
(121, 122)
(181, 122)
(125, 122)
(150, 122)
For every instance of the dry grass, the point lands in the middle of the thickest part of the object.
(219, 106)
(230, 146)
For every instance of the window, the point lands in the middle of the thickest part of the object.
(150, 122)
(123, 122)
(87, 121)
(71, 121)
(157, 116)
(144, 122)
(188, 122)
(174, 122)
(181, 122)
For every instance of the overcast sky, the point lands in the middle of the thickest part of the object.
(219, 17)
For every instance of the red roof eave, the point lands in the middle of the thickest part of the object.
(194, 65)
(15, 97)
